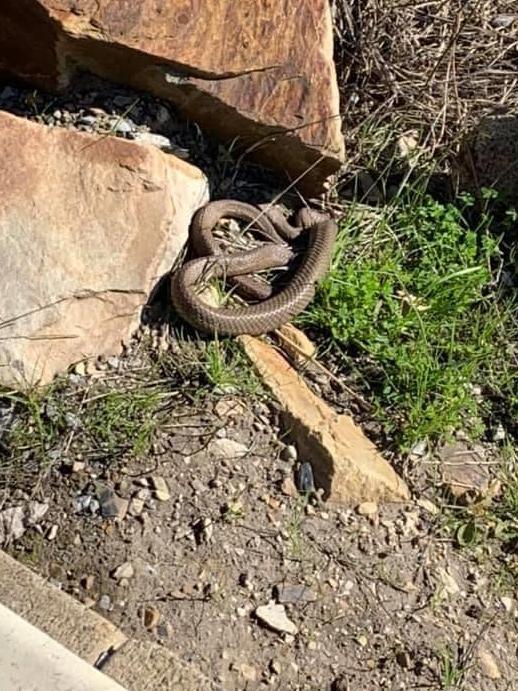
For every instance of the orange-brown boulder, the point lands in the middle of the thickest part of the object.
(259, 74)
(88, 225)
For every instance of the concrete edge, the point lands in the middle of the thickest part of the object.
(81, 632)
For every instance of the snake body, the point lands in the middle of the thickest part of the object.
(274, 309)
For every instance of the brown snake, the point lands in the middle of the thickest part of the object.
(274, 309)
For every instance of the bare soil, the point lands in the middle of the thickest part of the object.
(394, 603)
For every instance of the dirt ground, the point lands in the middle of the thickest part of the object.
(384, 598)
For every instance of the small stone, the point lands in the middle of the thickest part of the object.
(509, 604)
(78, 466)
(274, 616)
(367, 508)
(136, 506)
(151, 617)
(362, 641)
(149, 138)
(35, 512)
(419, 449)
(312, 645)
(305, 480)
(112, 506)
(228, 448)
(51, 535)
(124, 571)
(499, 433)
(105, 602)
(293, 594)
(160, 488)
(207, 529)
(275, 667)
(488, 664)
(465, 477)
(123, 127)
(87, 120)
(88, 582)
(288, 487)
(113, 362)
(248, 672)
(80, 368)
(450, 585)
(289, 453)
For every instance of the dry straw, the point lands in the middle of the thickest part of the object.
(435, 67)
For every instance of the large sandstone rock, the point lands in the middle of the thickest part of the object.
(346, 465)
(260, 74)
(87, 227)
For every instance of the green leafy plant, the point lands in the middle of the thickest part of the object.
(411, 300)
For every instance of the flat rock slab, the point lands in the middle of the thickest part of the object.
(88, 225)
(69, 622)
(260, 75)
(346, 465)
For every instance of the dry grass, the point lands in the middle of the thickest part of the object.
(435, 67)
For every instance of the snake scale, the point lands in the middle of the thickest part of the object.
(273, 309)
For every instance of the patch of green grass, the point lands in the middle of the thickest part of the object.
(40, 418)
(123, 420)
(216, 367)
(411, 301)
(452, 669)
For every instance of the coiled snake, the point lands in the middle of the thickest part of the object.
(273, 310)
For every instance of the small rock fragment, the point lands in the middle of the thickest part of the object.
(462, 473)
(124, 571)
(112, 506)
(136, 506)
(51, 535)
(248, 672)
(509, 604)
(450, 585)
(274, 616)
(488, 664)
(228, 448)
(367, 508)
(15, 520)
(151, 617)
(160, 488)
(153, 139)
(88, 582)
(105, 602)
(419, 449)
(305, 480)
(289, 453)
(289, 594)
(288, 487)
